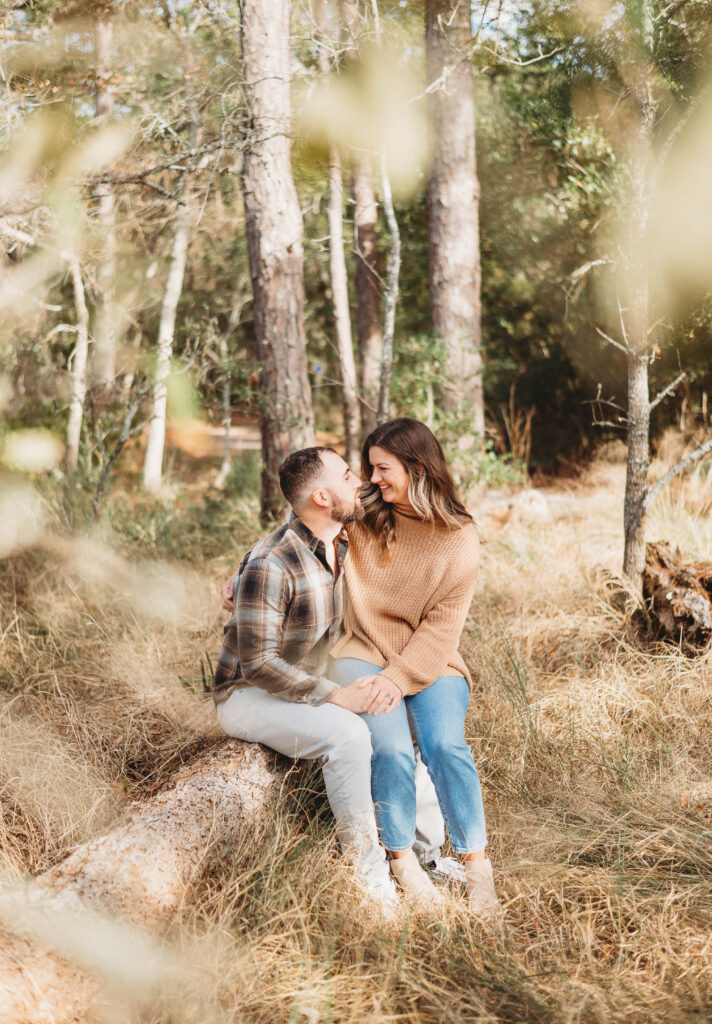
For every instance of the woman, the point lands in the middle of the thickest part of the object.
(410, 577)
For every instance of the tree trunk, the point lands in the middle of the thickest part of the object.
(274, 240)
(79, 371)
(389, 319)
(637, 469)
(337, 259)
(226, 465)
(143, 872)
(637, 336)
(366, 281)
(153, 462)
(453, 207)
(104, 369)
(342, 318)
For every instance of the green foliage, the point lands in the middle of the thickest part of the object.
(195, 527)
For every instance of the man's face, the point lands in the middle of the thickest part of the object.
(343, 488)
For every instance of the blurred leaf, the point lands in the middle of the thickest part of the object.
(31, 451)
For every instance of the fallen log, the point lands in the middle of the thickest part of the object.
(679, 597)
(142, 872)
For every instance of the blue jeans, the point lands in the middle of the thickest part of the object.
(437, 715)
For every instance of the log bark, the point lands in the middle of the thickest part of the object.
(145, 870)
(679, 596)
(274, 240)
(453, 208)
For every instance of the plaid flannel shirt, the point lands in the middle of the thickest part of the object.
(288, 614)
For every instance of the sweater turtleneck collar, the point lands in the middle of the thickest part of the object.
(406, 512)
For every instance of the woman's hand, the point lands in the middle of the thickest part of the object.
(226, 594)
(384, 696)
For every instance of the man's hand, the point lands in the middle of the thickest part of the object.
(353, 697)
(226, 594)
(383, 694)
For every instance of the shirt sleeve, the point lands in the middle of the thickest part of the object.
(425, 657)
(262, 594)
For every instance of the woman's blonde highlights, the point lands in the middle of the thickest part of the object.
(431, 491)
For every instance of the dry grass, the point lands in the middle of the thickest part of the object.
(594, 753)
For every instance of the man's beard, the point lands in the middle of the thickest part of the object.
(342, 513)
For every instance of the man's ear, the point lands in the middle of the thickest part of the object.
(321, 497)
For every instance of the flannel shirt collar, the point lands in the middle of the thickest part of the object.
(314, 543)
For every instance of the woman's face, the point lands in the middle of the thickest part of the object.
(389, 474)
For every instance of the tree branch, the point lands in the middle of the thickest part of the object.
(670, 13)
(668, 390)
(679, 467)
(612, 341)
(522, 63)
(586, 268)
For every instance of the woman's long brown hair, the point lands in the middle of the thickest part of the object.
(431, 490)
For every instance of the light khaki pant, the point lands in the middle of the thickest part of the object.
(343, 742)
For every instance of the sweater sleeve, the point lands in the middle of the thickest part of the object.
(427, 653)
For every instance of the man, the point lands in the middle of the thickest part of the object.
(270, 682)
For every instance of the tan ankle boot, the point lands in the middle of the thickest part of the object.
(413, 880)
(481, 895)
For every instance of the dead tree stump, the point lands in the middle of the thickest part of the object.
(679, 597)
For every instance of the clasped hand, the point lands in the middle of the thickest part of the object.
(369, 695)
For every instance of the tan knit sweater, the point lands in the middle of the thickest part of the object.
(407, 616)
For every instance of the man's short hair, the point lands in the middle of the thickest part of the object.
(299, 470)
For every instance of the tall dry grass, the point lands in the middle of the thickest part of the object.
(593, 749)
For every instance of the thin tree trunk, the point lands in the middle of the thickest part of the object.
(637, 469)
(232, 322)
(637, 335)
(453, 207)
(104, 369)
(226, 466)
(153, 462)
(274, 240)
(337, 264)
(389, 321)
(342, 318)
(79, 370)
(366, 282)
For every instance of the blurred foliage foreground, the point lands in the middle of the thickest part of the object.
(593, 752)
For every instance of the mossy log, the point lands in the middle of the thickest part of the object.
(142, 873)
(679, 597)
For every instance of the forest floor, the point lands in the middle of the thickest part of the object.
(593, 749)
